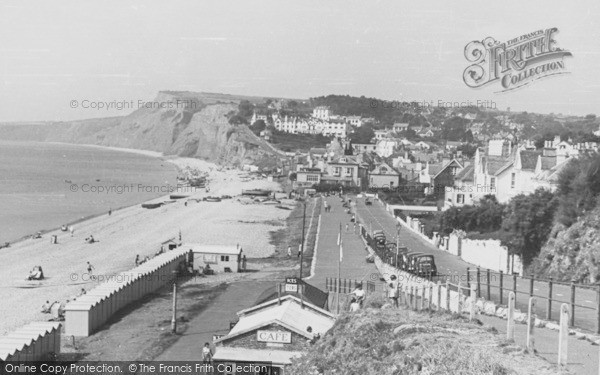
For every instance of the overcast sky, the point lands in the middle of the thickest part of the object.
(53, 52)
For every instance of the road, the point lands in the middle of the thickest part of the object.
(353, 265)
(376, 217)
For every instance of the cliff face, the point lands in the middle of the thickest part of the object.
(183, 124)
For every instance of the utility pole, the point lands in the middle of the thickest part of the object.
(302, 244)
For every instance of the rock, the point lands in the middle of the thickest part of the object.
(539, 323)
(489, 308)
(502, 312)
(520, 317)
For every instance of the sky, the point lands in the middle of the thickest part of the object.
(54, 54)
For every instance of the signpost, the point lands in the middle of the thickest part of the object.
(291, 284)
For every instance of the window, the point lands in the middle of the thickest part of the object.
(492, 183)
(383, 170)
(337, 171)
(312, 178)
(224, 258)
(460, 198)
(391, 183)
(513, 178)
(349, 171)
(453, 171)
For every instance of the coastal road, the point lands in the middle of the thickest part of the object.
(376, 217)
(353, 265)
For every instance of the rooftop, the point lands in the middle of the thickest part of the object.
(211, 249)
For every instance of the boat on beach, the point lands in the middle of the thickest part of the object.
(151, 205)
(256, 192)
(178, 196)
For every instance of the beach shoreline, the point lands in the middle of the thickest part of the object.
(132, 231)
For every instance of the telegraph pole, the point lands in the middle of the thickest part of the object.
(302, 244)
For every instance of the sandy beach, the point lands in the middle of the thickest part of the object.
(130, 231)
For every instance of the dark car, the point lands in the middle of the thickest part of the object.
(368, 202)
(408, 260)
(424, 266)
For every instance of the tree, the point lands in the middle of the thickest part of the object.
(293, 176)
(364, 134)
(258, 126)
(245, 109)
(529, 221)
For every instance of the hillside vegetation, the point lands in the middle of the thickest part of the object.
(383, 341)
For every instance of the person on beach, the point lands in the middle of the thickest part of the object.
(46, 307)
(346, 227)
(289, 251)
(90, 268)
(207, 354)
(137, 260)
(72, 230)
(109, 211)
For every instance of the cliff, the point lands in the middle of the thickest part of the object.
(174, 123)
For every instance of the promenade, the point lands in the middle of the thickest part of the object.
(353, 265)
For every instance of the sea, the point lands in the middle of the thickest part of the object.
(46, 185)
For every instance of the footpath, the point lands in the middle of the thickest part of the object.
(214, 320)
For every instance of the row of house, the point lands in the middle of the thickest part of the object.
(504, 171)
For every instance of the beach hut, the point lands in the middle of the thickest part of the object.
(220, 258)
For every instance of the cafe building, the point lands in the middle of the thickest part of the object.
(267, 336)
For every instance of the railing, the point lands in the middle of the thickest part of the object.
(495, 286)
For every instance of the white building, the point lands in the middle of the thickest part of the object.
(322, 113)
(220, 258)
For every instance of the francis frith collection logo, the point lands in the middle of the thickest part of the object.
(515, 63)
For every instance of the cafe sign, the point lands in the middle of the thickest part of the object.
(279, 337)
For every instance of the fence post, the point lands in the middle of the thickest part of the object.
(572, 304)
(429, 300)
(448, 295)
(422, 297)
(563, 335)
(459, 304)
(439, 295)
(468, 278)
(473, 303)
(412, 296)
(510, 316)
(549, 302)
(515, 286)
(531, 281)
(501, 286)
(530, 324)
(489, 294)
(406, 296)
(478, 283)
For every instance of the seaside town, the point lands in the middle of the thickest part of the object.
(320, 189)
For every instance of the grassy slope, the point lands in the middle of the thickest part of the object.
(430, 343)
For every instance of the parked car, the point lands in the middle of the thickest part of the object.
(368, 201)
(408, 260)
(425, 266)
